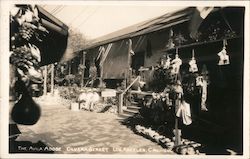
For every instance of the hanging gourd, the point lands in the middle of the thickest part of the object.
(192, 64)
(224, 58)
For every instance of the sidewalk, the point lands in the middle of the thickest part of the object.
(83, 132)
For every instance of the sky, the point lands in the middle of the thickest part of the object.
(97, 20)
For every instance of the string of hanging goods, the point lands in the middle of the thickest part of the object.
(178, 90)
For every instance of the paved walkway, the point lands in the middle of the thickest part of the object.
(83, 132)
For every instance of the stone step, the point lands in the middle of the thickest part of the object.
(130, 111)
(133, 107)
(134, 103)
(124, 116)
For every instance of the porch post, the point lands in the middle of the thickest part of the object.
(120, 102)
(52, 79)
(83, 70)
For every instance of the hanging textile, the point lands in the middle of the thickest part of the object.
(224, 58)
(203, 83)
(204, 96)
(184, 112)
(167, 63)
(176, 64)
(192, 64)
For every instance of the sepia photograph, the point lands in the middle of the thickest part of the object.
(116, 80)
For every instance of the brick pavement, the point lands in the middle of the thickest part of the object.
(83, 132)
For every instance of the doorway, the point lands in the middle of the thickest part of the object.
(137, 61)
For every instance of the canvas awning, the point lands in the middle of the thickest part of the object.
(149, 26)
(53, 46)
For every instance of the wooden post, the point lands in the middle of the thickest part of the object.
(52, 79)
(177, 104)
(45, 72)
(129, 70)
(83, 64)
(69, 67)
(177, 133)
(120, 103)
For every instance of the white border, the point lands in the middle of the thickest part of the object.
(4, 80)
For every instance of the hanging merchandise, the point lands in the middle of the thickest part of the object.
(176, 64)
(204, 96)
(202, 81)
(224, 58)
(199, 81)
(204, 88)
(170, 43)
(184, 112)
(192, 64)
(167, 63)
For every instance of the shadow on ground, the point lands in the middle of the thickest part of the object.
(24, 146)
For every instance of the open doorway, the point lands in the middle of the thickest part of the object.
(137, 61)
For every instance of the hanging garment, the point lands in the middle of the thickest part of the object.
(204, 96)
(176, 64)
(167, 63)
(224, 58)
(200, 81)
(184, 112)
(192, 65)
